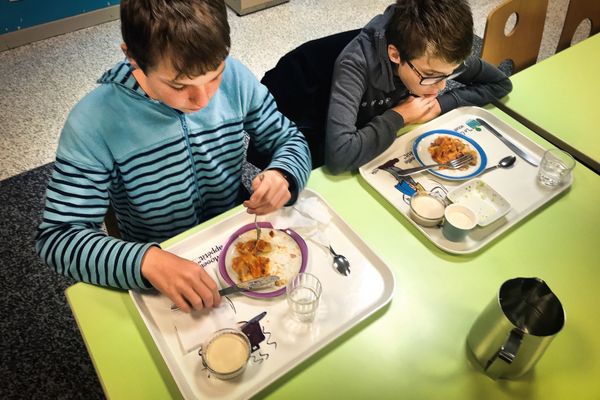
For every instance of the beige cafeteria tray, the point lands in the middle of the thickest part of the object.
(346, 300)
(518, 184)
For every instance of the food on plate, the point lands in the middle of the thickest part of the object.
(248, 247)
(251, 262)
(278, 253)
(447, 148)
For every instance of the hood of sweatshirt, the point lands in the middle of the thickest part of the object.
(379, 65)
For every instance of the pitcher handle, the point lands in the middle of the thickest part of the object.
(497, 365)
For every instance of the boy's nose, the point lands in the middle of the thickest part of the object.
(198, 96)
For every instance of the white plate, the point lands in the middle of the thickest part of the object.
(480, 197)
(286, 260)
(421, 152)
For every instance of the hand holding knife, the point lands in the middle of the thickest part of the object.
(254, 284)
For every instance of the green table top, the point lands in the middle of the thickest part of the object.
(415, 346)
(561, 96)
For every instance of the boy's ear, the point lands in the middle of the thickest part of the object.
(393, 54)
(131, 60)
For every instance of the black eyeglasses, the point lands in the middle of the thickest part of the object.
(432, 80)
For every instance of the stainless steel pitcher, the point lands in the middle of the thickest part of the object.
(511, 334)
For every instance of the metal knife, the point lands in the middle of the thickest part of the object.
(254, 284)
(516, 149)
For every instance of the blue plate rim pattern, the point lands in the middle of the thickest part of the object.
(475, 145)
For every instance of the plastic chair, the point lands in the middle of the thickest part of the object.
(577, 12)
(522, 44)
(300, 84)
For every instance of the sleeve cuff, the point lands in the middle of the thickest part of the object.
(292, 185)
(395, 119)
(447, 102)
(138, 266)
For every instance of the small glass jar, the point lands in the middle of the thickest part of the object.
(226, 353)
(426, 209)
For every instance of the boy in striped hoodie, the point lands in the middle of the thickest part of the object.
(161, 140)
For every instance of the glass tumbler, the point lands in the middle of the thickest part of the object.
(303, 294)
(555, 167)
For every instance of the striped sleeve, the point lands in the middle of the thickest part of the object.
(273, 133)
(69, 238)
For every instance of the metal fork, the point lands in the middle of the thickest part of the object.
(454, 164)
(257, 232)
(261, 177)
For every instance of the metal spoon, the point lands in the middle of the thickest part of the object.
(340, 262)
(506, 162)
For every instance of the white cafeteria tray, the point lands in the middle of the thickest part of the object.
(518, 184)
(346, 300)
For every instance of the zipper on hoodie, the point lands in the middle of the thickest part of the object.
(181, 116)
(188, 146)
(197, 199)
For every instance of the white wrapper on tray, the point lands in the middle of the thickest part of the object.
(309, 217)
(193, 328)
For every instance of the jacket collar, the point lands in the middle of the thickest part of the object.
(378, 62)
(121, 74)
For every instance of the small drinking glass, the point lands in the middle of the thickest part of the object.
(555, 167)
(303, 294)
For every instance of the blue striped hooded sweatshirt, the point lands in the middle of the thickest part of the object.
(163, 171)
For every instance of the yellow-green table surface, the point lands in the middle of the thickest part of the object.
(561, 95)
(415, 347)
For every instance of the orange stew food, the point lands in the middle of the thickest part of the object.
(251, 263)
(447, 148)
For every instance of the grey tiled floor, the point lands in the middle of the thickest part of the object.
(40, 82)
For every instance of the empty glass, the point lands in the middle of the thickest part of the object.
(303, 294)
(555, 167)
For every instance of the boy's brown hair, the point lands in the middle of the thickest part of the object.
(192, 35)
(440, 28)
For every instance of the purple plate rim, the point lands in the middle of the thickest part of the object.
(223, 269)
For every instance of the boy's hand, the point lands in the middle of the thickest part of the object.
(416, 110)
(183, 281)
(433, 112)
(270, 192)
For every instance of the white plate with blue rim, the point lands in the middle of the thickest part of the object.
(421, 151)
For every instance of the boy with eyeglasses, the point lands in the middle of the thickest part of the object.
(393, 73)
(161, 139)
